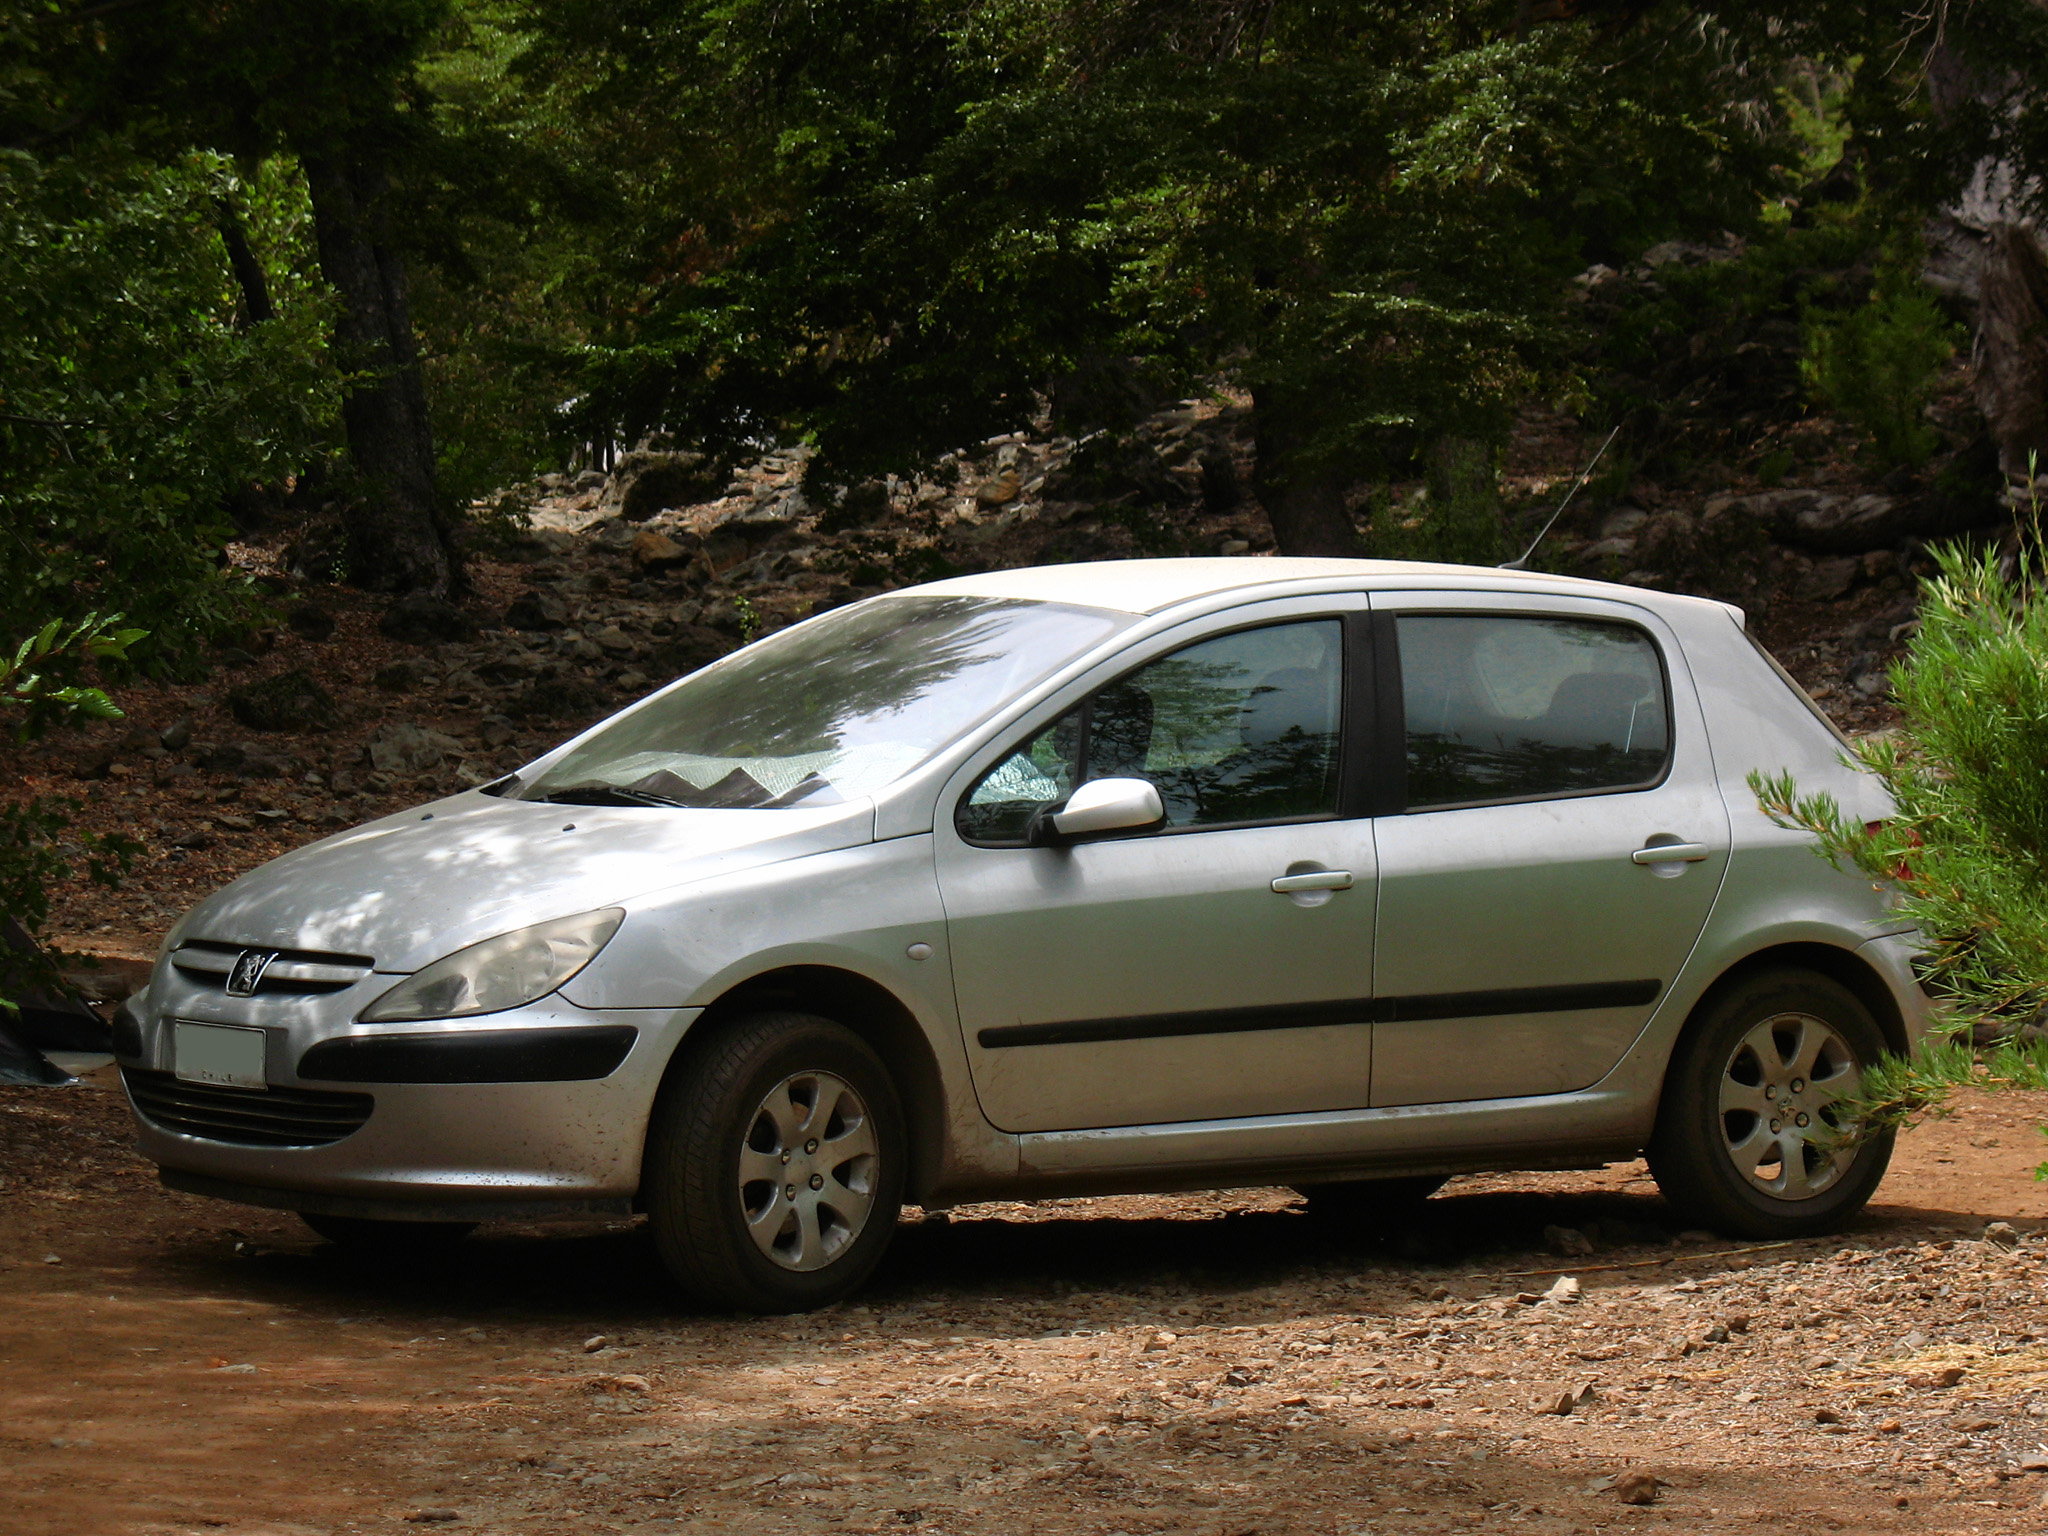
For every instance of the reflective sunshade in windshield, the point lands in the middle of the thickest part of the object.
(831, 710)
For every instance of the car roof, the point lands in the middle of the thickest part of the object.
(1152, 586)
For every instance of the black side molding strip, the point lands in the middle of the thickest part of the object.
(472, 1056)
(1360, 1010)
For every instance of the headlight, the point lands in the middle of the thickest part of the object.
(505, 972)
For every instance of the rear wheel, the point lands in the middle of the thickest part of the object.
(1370, 1203)
(367, 1234)
(1750, 1136)
(775, 1164)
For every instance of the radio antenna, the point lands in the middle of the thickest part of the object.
(1584, 474)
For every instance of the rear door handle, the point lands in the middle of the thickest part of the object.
(1672, 853)
(1314, 880)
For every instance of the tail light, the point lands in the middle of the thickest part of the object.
(1903, 870)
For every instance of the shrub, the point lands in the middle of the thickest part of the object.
(1878, 365)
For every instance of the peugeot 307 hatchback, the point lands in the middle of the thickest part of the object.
(1144, 876)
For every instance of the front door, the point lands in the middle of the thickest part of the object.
(1160, 976)
(1528, 927)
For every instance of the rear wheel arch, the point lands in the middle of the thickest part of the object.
(1842, 966)
(872, 1012)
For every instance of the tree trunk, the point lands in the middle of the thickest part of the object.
(398, 538)
(1465, 522)
(256, 306)
(1983, 250)
(1303, 492)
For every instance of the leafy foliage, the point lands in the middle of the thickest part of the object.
(1966, 853)
(133, 403)
(1878, 365)
(37, 846)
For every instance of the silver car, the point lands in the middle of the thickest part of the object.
(1137, 876)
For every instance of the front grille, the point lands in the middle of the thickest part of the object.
(247, 1117)
(294, 972)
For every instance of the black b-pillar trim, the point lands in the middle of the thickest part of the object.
(1574, 998)
(1389, 773)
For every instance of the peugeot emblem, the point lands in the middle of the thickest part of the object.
(247, 974)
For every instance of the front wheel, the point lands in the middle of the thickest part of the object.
(1752, 1139)
(775, 1164)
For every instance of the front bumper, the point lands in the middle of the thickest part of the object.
(430, 1150)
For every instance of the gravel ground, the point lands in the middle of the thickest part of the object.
(1218, 1364)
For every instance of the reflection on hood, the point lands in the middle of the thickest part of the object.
(412, 887)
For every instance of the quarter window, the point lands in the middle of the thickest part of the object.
(1242, 728)
(1515, 708)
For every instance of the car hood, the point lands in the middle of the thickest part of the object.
(410, 888)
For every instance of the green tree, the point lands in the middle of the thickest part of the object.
(1965, 854)
(930, 220)
(334, 85)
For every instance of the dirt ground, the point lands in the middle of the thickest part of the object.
(1218, 1364)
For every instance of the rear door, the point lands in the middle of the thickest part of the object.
(1544, 750)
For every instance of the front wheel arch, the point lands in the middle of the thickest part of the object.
(872, 1012)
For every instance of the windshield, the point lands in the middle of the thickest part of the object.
(830, 710)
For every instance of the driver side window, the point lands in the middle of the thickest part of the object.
(1242, 728)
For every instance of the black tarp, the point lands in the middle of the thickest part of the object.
(43, 1020)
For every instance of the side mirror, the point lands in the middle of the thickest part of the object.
(1106, 805)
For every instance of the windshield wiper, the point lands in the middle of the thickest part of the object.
(608, 794)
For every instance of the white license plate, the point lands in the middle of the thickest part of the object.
(217, 1053)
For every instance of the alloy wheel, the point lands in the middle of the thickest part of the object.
(1779, 1098)
(809, 1170)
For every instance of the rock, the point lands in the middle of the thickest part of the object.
(404, 748)
(1607, 549)
(999, 492)
(1569, 1242)
(644, 483)
(553, 698)
(1564, 1292)
(1563, 1400)
(1637, 1487)
(1665, 542)
(1830, 579)
(228, 821)
(2034, 1461)
(614, 641)
(1826, 1416)
(419, 618)
(401, 676)
(432, 1516)
(309, 621)
(1623, 522)
(2002, 1234)
(1890, 1427)
(289, 701)
(536, 611)
(178, 737)
(654, 552)
(682, 652)
(595, 1342)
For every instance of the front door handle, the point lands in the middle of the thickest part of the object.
(1672, 853)
(1314, 880)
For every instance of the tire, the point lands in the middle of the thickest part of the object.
(1743, 1140)
(1373, 1203)
(365, 1234)
(748, 1209)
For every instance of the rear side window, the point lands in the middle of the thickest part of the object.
(1505, 707)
